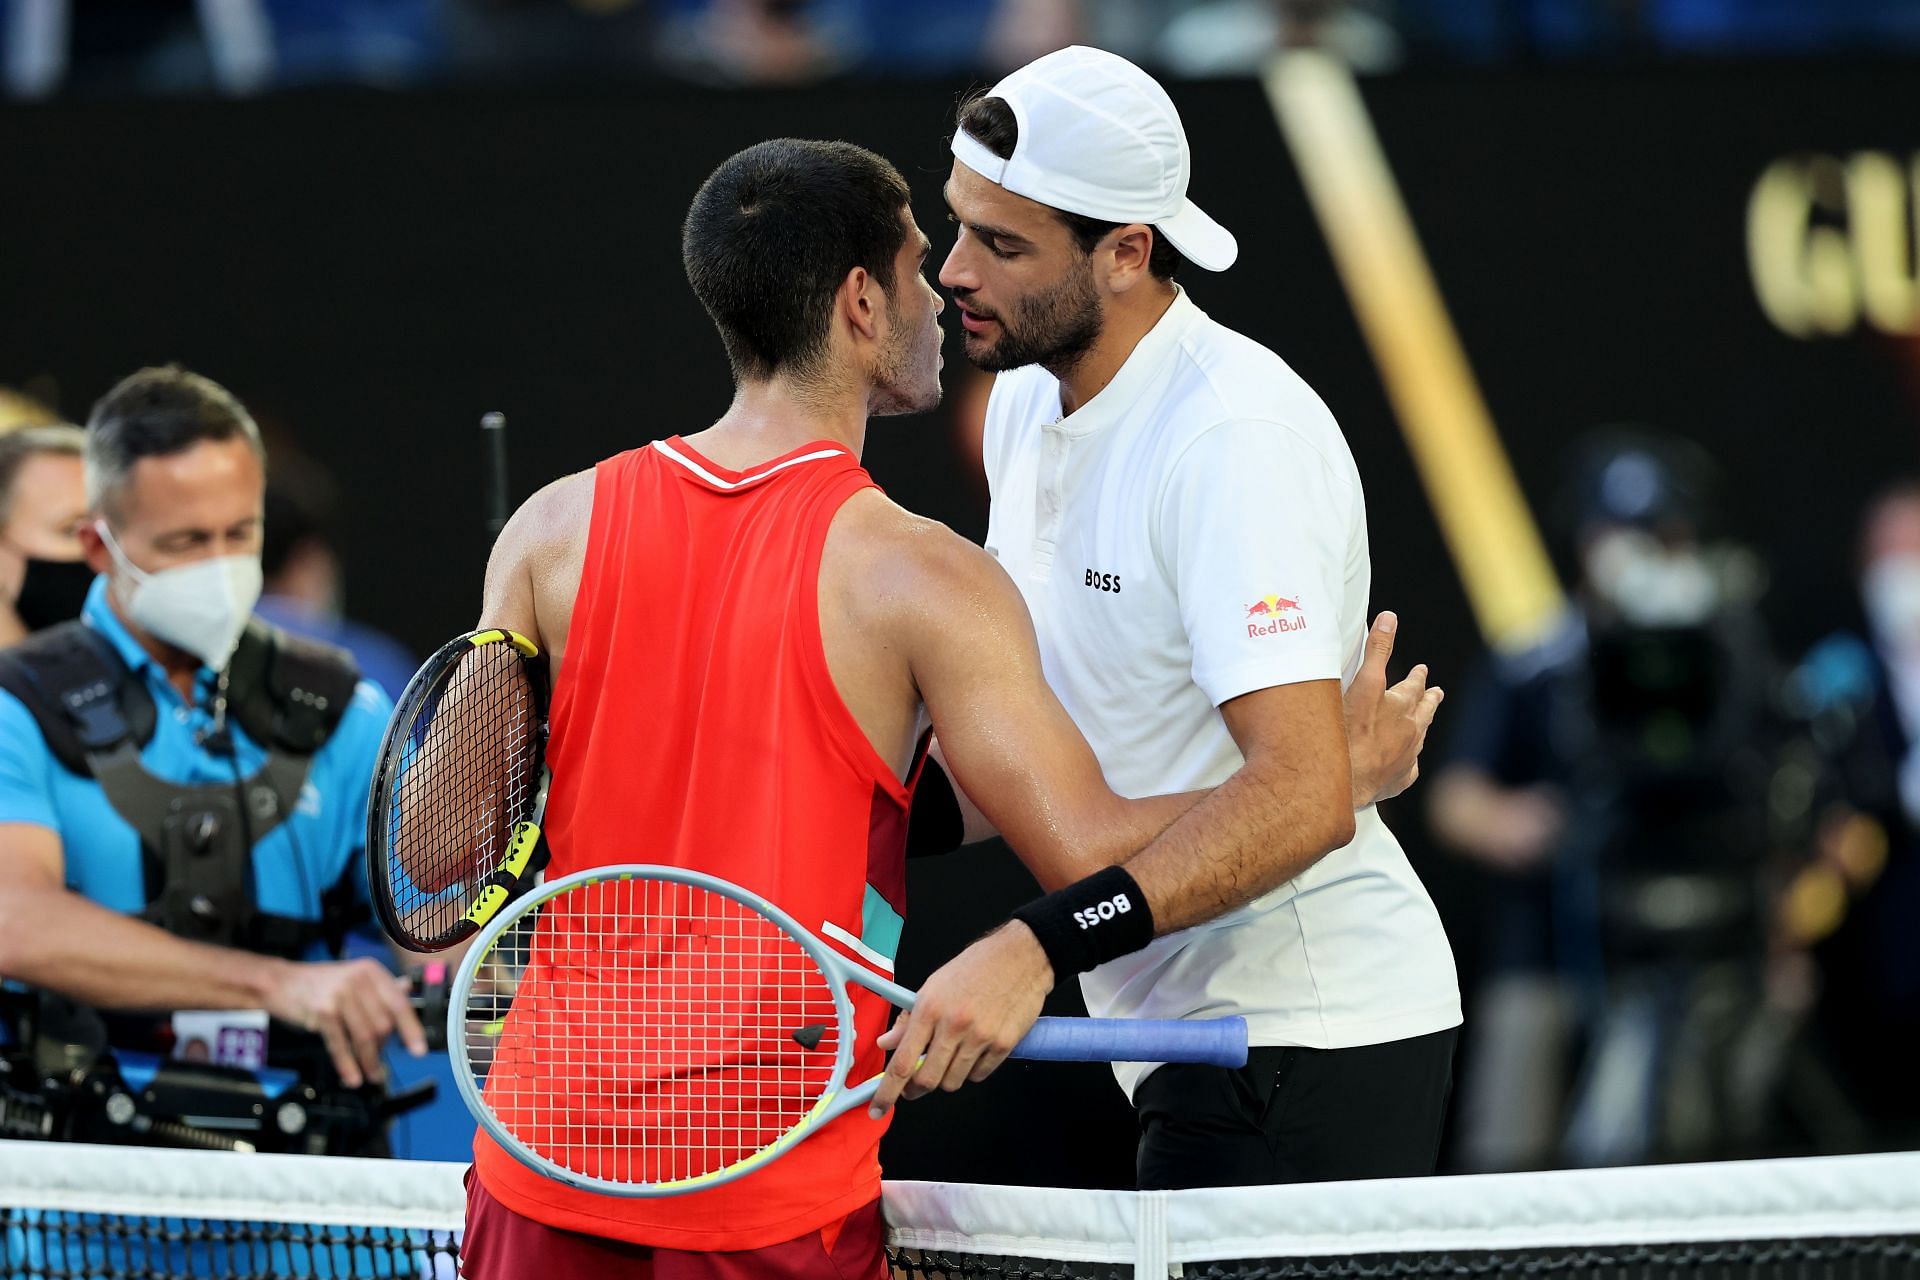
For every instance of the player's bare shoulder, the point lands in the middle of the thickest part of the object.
(534, 571)
(912, 572)
(560, 513)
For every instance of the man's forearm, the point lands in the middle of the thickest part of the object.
(1255, 831)
(56, 939)
(1251, 834)
(1134, 826)
(975, 825)
(1103, 830)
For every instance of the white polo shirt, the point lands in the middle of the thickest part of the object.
(1195, 532)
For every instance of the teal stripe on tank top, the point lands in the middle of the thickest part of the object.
(880, 925)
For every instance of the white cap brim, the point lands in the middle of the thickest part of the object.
(1200, 240)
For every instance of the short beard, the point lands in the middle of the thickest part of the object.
(892, 385)
(1055, 328)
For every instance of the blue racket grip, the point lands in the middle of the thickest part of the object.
(1219, 1042)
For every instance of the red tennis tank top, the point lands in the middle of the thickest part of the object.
(695, 724)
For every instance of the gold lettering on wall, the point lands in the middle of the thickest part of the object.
(1834, 244)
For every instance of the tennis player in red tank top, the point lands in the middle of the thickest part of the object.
(751, 645)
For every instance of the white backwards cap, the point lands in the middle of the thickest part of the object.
(1099, 137)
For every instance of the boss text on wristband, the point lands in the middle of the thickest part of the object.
(1090, 921)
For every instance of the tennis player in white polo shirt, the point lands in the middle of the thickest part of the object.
(1187, 525)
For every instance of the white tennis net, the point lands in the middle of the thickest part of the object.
(104, 1212)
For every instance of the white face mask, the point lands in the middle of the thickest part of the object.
(1651, 585)
(200, 607)
(1890, 589)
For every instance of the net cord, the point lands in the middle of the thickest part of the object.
(415, 1195)
(1829, 1197)
(1838, 1196)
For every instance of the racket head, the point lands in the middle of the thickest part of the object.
(458, 790)
(631, 1030)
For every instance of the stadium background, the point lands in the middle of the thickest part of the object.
(371, 270)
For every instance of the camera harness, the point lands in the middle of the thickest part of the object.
(197, 840)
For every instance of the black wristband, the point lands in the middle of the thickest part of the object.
(1090, 921)
(934, 824)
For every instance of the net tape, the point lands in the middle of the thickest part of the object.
(71, 1210)
(102, 1211)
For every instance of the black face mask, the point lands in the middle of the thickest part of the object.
(52, 591)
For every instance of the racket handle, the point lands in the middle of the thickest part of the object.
(1219, 1042)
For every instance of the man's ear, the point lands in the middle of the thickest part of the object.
(860, 301)
(99, 559)
(1127, 251)
(13, 572)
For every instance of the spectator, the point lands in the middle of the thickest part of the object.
(1022, 30)
(1236, 37)
(43, 500)
(1500, 800)
(303, 590)
(1864, 691)
(1604, 779)
(760, 42)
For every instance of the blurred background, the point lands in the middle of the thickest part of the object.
(1673, 825)
(116, 47)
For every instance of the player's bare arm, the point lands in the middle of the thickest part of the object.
(914, 617)
(922, 592)
(1290, 804)
(959, 632)
(533, 573)
(532, 578)
(920, 624)
(1386, 731)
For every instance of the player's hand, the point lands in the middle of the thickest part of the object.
(354, 1005)
(967, 1017)
(1386, 728)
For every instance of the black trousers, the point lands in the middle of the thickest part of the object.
(1297, 1115)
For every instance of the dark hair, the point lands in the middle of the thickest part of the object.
(153, 414)
(772, 234)
(22, 443)
(299, 511)
(990, 122)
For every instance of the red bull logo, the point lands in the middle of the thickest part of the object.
(1267, 616)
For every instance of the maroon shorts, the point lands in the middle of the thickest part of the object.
(502, 1245)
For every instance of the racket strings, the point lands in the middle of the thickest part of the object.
(467, 777)
(645, 1032)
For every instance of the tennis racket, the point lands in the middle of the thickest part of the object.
(648, 1031)
(459, 790)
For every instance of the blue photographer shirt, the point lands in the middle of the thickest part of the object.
(297, 862)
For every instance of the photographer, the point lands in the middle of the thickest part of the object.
(1613, 780)
(1863, 688)
(183, 789)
